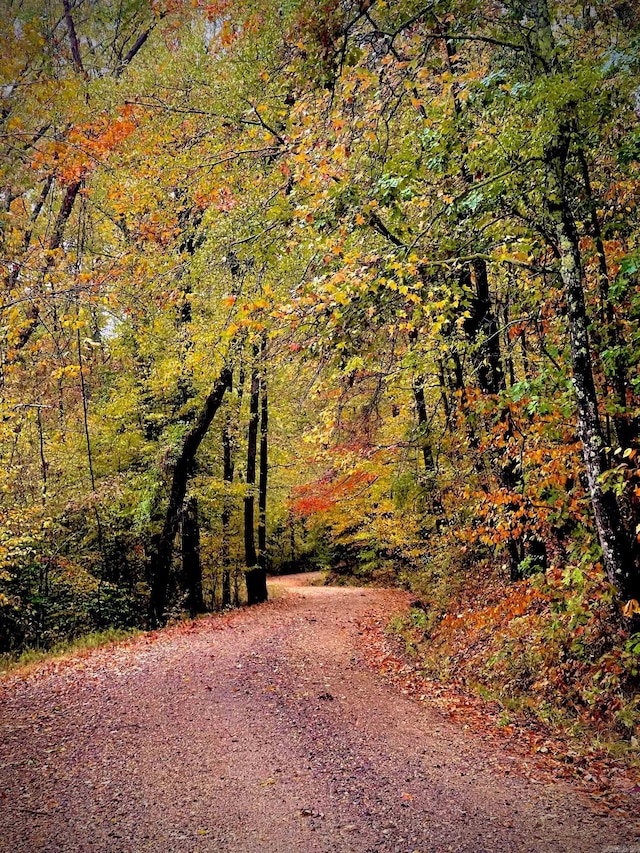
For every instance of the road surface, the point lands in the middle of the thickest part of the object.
(264, 731)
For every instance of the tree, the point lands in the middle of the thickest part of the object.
(191, 563)
(256, 572)
(438, 332)
(619, 548)
(163, 547)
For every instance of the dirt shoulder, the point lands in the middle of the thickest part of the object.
(267, 730)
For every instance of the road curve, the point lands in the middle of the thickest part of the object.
(263, 731)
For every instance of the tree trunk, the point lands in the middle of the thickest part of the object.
(254, 575)
(619, 548)
(191, 564)
(626, 427)
(482, 330)
(163, 547)
(227, 476)
(73, 39)
(241, 382)
(618, 555)
(421, 410)
(251, 557)
(229, 447)
(264, 472)
(55, 241)
(292, 538)
(481, 326)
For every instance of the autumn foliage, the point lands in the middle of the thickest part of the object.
(410, 238)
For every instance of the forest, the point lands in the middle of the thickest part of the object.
(349, 285)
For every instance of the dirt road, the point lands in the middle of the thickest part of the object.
(264, 731)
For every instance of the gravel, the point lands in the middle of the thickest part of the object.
(265, 730)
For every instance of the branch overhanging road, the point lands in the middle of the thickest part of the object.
(263, 731)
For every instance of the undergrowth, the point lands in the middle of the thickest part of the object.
(552, 646)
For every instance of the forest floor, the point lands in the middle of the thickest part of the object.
(273, 729)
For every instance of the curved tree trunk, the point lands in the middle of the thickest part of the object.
(163, 550)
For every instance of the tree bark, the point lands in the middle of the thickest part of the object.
(251, 557)
(619, 548)
(73, 39)
(163, 550)
(482, 330)
(230, 447)
(227, 476)
(618, 552)
(254, 575)
(264, 473)
(481, 327)
(33, 313)
(191, 563)
(626, 427)
(421, 411)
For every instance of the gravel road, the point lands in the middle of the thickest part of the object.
(264, 731)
